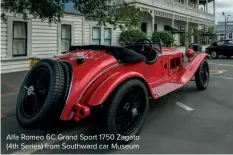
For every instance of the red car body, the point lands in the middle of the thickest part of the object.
(100, 73)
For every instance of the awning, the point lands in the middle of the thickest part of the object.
(173, 30)
(208, 34)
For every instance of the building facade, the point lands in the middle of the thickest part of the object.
(224, 30)
(182, 15)
(21, 40)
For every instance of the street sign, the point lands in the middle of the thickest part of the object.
(228, 28)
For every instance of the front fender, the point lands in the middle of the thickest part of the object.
(107, 87)
(191, 68)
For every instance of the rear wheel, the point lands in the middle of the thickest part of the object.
(202, 76)
(40, 96)
(229, 57)
(126, 110)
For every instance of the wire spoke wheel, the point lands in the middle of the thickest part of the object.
(130, 111)
(36, 92)
(204, 75)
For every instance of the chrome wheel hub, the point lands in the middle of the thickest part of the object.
(134, 112)
(30, 90)
(214, 54)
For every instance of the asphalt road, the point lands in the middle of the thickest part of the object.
(206, 126)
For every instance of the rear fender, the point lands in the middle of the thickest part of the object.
(108, 86)
(192, 68)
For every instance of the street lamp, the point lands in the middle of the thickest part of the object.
(226, 20)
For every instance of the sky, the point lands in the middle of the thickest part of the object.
(224, 6)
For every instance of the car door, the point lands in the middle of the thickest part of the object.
(153, 71)
(228, 50)
(221, 50)
(165, 66)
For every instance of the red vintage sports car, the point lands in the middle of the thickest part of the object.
(120, 79)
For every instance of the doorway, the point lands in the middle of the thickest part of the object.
(144, 27)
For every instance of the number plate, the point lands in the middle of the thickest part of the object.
(33, 62)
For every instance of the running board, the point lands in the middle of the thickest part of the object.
(165, 89)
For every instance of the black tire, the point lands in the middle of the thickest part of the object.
(201, 82)
(214, 55)
(228, 57)
(68, 73)
(113, 103)
(49, 110)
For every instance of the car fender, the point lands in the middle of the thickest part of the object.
(192, 68)
(108, 86)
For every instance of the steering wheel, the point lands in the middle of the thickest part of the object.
(150, 43)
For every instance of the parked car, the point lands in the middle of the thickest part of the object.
(224, 48)
(118, 80)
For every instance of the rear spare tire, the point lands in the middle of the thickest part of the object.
(40, 94)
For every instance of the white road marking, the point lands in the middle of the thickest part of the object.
(184, 106)
(223, 77)
(49, 142)
(221, 64)
(217, 71)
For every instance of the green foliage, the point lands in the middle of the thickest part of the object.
(132, 35)
(132, 15)
(164, 36)
(156, 37)
(197, 35)
(102, 11)
(188, 37)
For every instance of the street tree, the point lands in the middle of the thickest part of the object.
(102, 11)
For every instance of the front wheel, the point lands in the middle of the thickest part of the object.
(202, 76)
(125, 110)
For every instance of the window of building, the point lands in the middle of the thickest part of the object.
(107, 36)
(96, 35)
(19, 39)
(166, 27)
(65, 37)
(144, 27)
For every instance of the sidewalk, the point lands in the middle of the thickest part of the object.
(10, 84)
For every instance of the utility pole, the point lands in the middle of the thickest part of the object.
(226, 20)
(225, 28)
